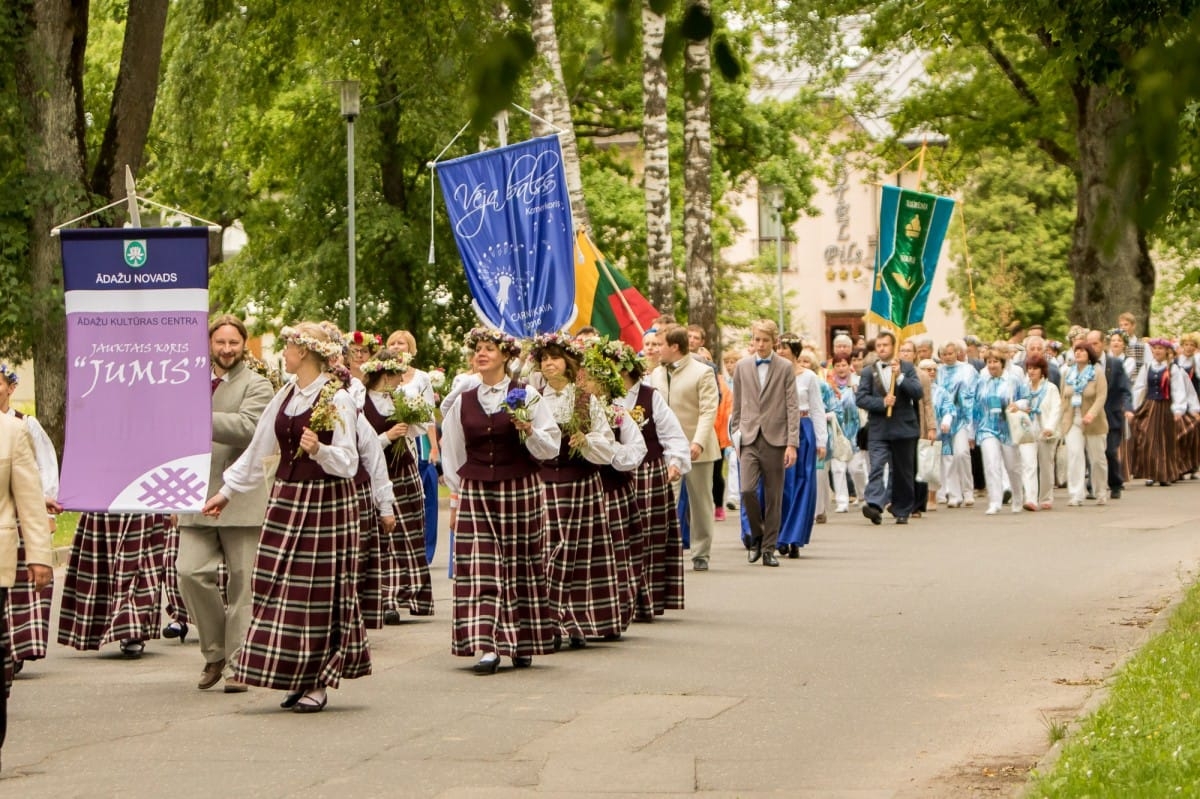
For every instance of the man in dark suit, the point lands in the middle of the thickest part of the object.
(1118, 407)
(766, 425)
(890, 392)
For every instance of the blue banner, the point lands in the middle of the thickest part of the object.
(139, 407)
(512, 221)
(912, 227)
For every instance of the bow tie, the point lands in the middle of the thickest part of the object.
(761, 361)
(671, 367)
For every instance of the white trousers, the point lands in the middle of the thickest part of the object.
(1000, 461)
(957, 481)
(733, 481)
(1082, 451)
(1037, 470)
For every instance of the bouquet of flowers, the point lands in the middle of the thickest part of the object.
(254, 364)
(579, 421)
(437, 378)
(519, 403)
(638, 415)
(325, 414)
(408, 410)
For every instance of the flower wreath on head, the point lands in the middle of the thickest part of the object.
(507, 345)
(561, 340)
(1116, 331)
(9, 374)
(371, 342)
(395, 365)
(603, 368)
(790, 339)
(1161, 342)
(326, 349)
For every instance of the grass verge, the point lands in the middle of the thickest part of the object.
(1145, 739)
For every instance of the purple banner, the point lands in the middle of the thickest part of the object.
(139, 406)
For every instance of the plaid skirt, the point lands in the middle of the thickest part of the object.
(27, 615)
(1188, 450)
(663, 574)
(581, 564)
(113, 588)
(625, 526)
(1155, 442)
(306, 626)
(500, 600)
(407, 582)
(175, 607)
(370, 558)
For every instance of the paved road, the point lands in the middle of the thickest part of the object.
(887, 662)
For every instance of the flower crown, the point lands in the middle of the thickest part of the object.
(505, 343)
(604, 368)
(326, 349)
(372, 342)
(396, 363)
(561, 340)
(9, 374)
(1161, 342)
(790, 339)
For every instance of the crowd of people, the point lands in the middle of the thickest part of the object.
(579, 471)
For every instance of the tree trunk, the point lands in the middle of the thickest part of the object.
(549, 98)
(657, 175)
(697, 188)
(133, 98)
(50, 83)
(1110, 259)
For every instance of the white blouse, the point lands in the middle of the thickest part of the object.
(677, 449)
(339, 458)
(542, 442)
(808, 395)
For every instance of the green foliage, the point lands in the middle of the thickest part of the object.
(1018, 219)
(1145, 739)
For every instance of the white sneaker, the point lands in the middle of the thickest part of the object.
(969, 502)
(1102, 501)
(954, 503)
(1016, 508)
(1075, 503)
(841, 509)
(992, 510)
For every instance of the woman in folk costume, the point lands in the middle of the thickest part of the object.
(492, 435)
(1160, 396)
(800, 480)
(28, 608)
(957, 378)
(599, 376)
(841, 383)
(1084, 425)
(407, 582)
(996, 393)
(306, 630)
(1045, 412)
(1189, 444)
(581, 565)
(668, 458)
(812, 362)
(417, 382)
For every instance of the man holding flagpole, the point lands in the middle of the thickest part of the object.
(890, 392)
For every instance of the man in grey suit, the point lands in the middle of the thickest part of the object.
(690, 389)
(766, 426)
(239, 397)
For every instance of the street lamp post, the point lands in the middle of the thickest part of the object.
(350, 110)
(774, 195)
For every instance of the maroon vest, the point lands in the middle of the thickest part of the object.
(645, 401)
(612, 478)
(288, 430)
(494, 448)
(382, 424)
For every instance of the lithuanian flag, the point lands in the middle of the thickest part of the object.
(606, 300)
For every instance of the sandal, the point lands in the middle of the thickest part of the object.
(132, 648)
(290, 700)
(307, 704)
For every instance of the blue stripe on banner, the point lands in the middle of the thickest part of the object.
(108, 259)
(511, 217)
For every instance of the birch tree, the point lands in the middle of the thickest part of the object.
(697, 170)
(657, 175)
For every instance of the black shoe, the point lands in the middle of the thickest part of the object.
(1115, 493)
(132, 648)
(793, 552)
(755, 552)
(391, 617)
(176, 629)
(557, 642)
(577, 643)
(1007, 498)
(769, 559)
(901, 520)
(17, 666)
(290, 700)
(522, 662)
(873, 513)
(611, 637)
(487, 665)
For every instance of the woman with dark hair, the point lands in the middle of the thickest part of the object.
(493, 433)
(1037, 459)
(1160, 396)
(996, 392)
(306, 629)
(1084, 425)
(419, 383)
(581, 565)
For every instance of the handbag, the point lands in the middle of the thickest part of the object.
(841, 449)
(929, 462)
(1020, 427)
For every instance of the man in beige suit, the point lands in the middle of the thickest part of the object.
(690, 389)
(20, 498)
(766, 426)
(238, 399)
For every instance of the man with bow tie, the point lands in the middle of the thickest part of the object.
(690, 389)
(766, 425)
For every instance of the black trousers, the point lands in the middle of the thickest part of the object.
(1112, 454)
